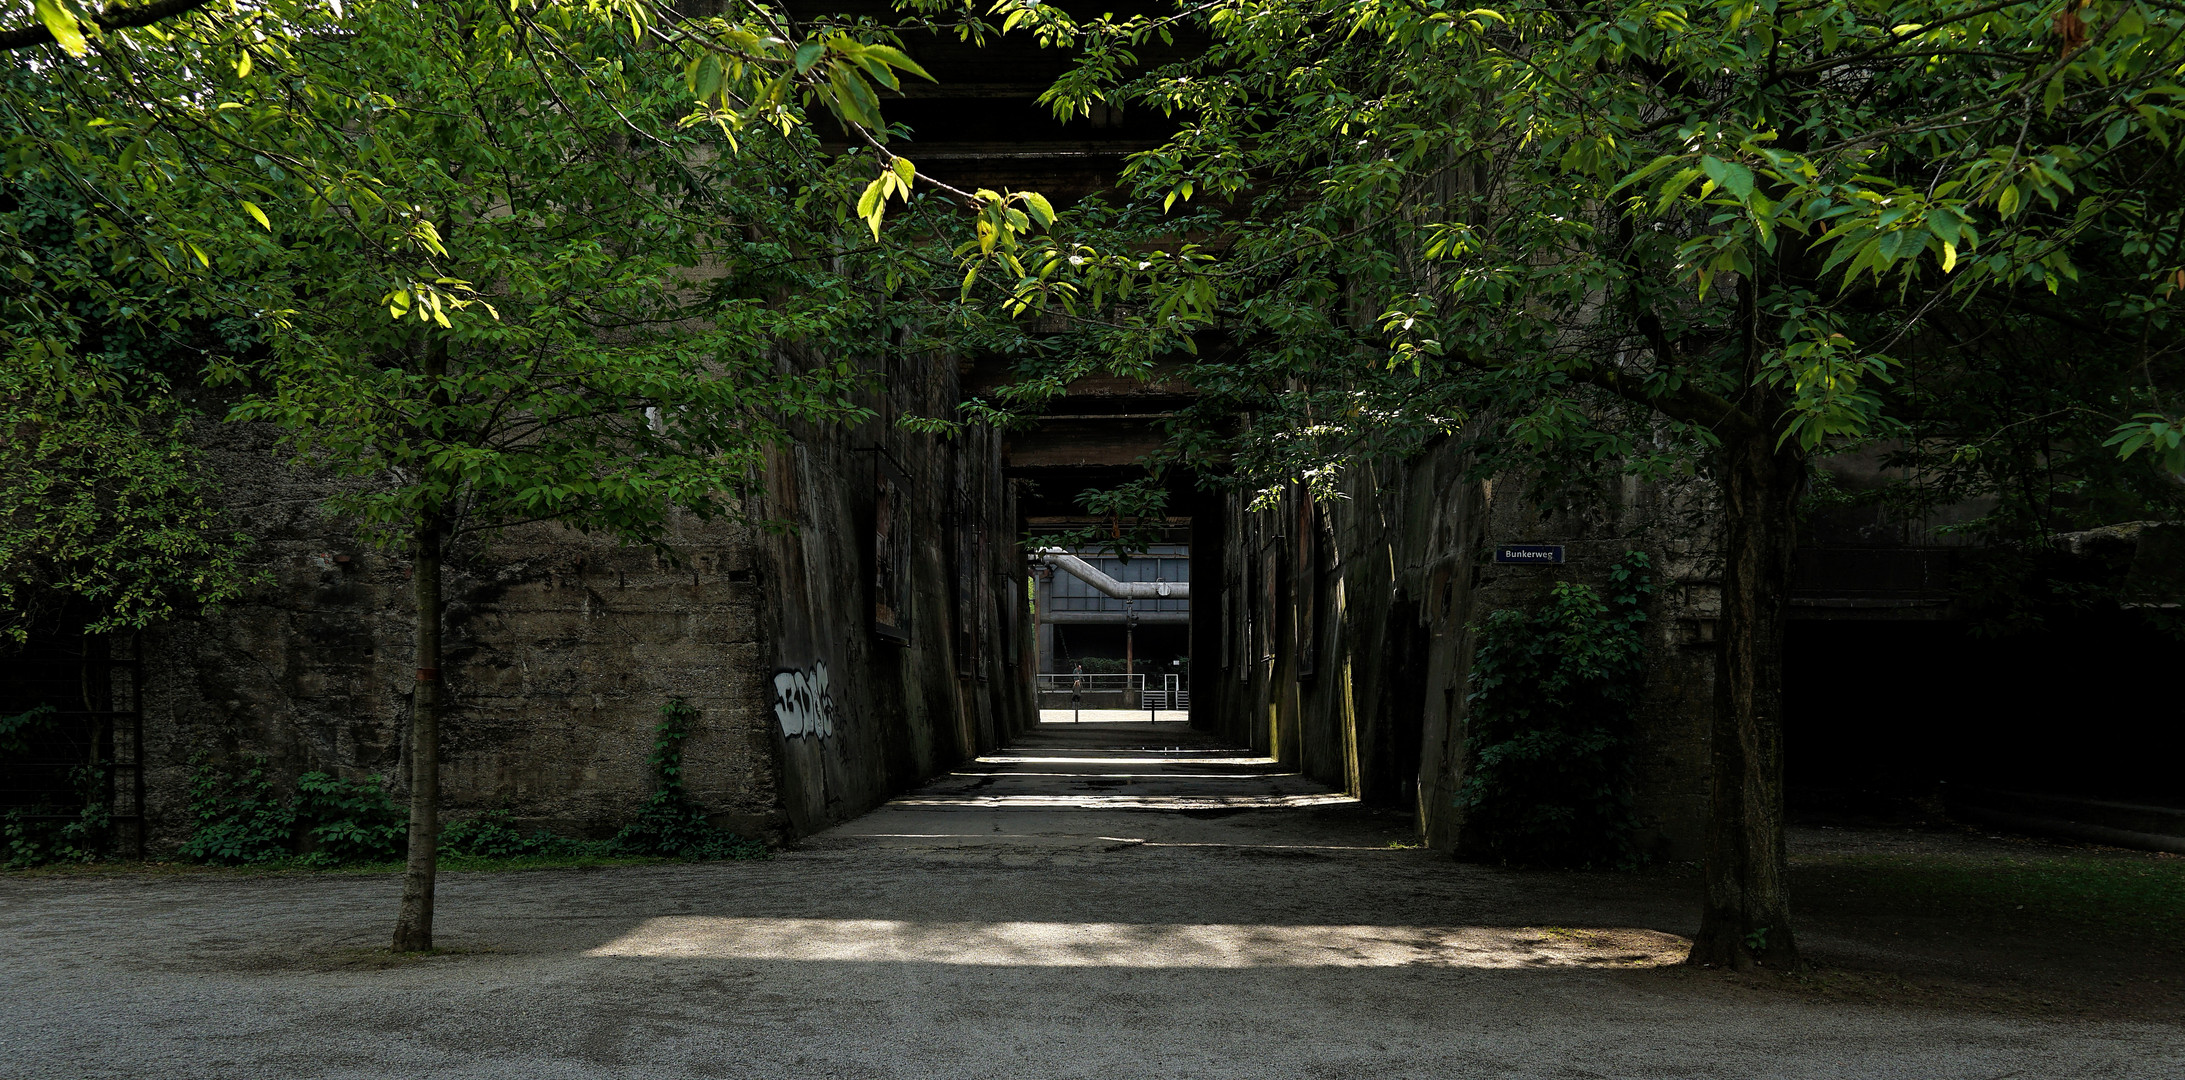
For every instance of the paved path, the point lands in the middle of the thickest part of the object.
(1104, 902)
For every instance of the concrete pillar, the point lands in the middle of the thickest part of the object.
(1043, 604)
(1209, 579)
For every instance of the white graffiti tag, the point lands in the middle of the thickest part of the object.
(802, 704)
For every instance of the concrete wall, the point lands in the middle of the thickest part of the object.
(961, 683)
(1346, 630)
(561, 648)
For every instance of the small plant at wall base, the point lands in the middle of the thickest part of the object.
(1552, 696)
(244, 819)
(347, 821)
(491, 835)
(43, 835)
(671, 824)
(241, 818)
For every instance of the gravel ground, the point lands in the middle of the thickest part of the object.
(1062, 911)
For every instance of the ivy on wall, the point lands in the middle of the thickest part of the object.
(672, 824)
(1552, 696)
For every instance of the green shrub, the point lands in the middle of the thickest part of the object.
(240, 819)
(348, 821)
(1552, 695)
(43, 835)
(15, 731)
(490, 835)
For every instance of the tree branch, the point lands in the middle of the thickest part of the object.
(113, 18)
(1689, 404)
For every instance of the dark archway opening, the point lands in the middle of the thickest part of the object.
(1913, 718)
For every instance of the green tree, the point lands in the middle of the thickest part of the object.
(596, 374)
(510, 264)
(106, 517)
(1656, 237)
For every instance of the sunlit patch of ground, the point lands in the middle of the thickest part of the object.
(1121, 802)
(1178, 717)
(1141, 945)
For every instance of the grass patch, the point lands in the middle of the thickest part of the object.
(2106, 892)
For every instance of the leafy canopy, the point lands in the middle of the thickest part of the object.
(1633, 229)
(566, 261)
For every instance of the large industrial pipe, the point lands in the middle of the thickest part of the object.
(1121, 590)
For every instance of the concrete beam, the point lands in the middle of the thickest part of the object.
(1082, 441)
(1113, 618)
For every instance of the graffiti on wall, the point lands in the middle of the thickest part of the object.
(802, 702)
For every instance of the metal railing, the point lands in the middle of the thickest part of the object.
(1090, 691)
(1092, 683)
(1112, 691)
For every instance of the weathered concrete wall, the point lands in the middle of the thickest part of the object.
(561, 648)
(1348, 630)
(960, 684)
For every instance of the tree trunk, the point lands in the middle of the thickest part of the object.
(1746, 919)
(413, 928)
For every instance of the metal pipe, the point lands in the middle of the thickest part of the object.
(1121, 590)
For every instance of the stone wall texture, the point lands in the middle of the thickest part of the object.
(561, 648)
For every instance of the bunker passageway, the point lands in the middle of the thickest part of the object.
(1109, 783)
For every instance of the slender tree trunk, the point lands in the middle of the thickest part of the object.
(1746, 920)
(413, 928)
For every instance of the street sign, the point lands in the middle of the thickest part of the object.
(1529, 553)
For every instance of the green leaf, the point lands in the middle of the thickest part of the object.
(61, 22)
(1674, 187)
(706, 78)
(872, 205)
(1945, 225)
(251, 208)
(1649, 169)
(1731, 176)
(1040, 209)
(809, 54)
(895, 58)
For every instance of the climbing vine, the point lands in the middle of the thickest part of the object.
(672, 824)
(1552, 695)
